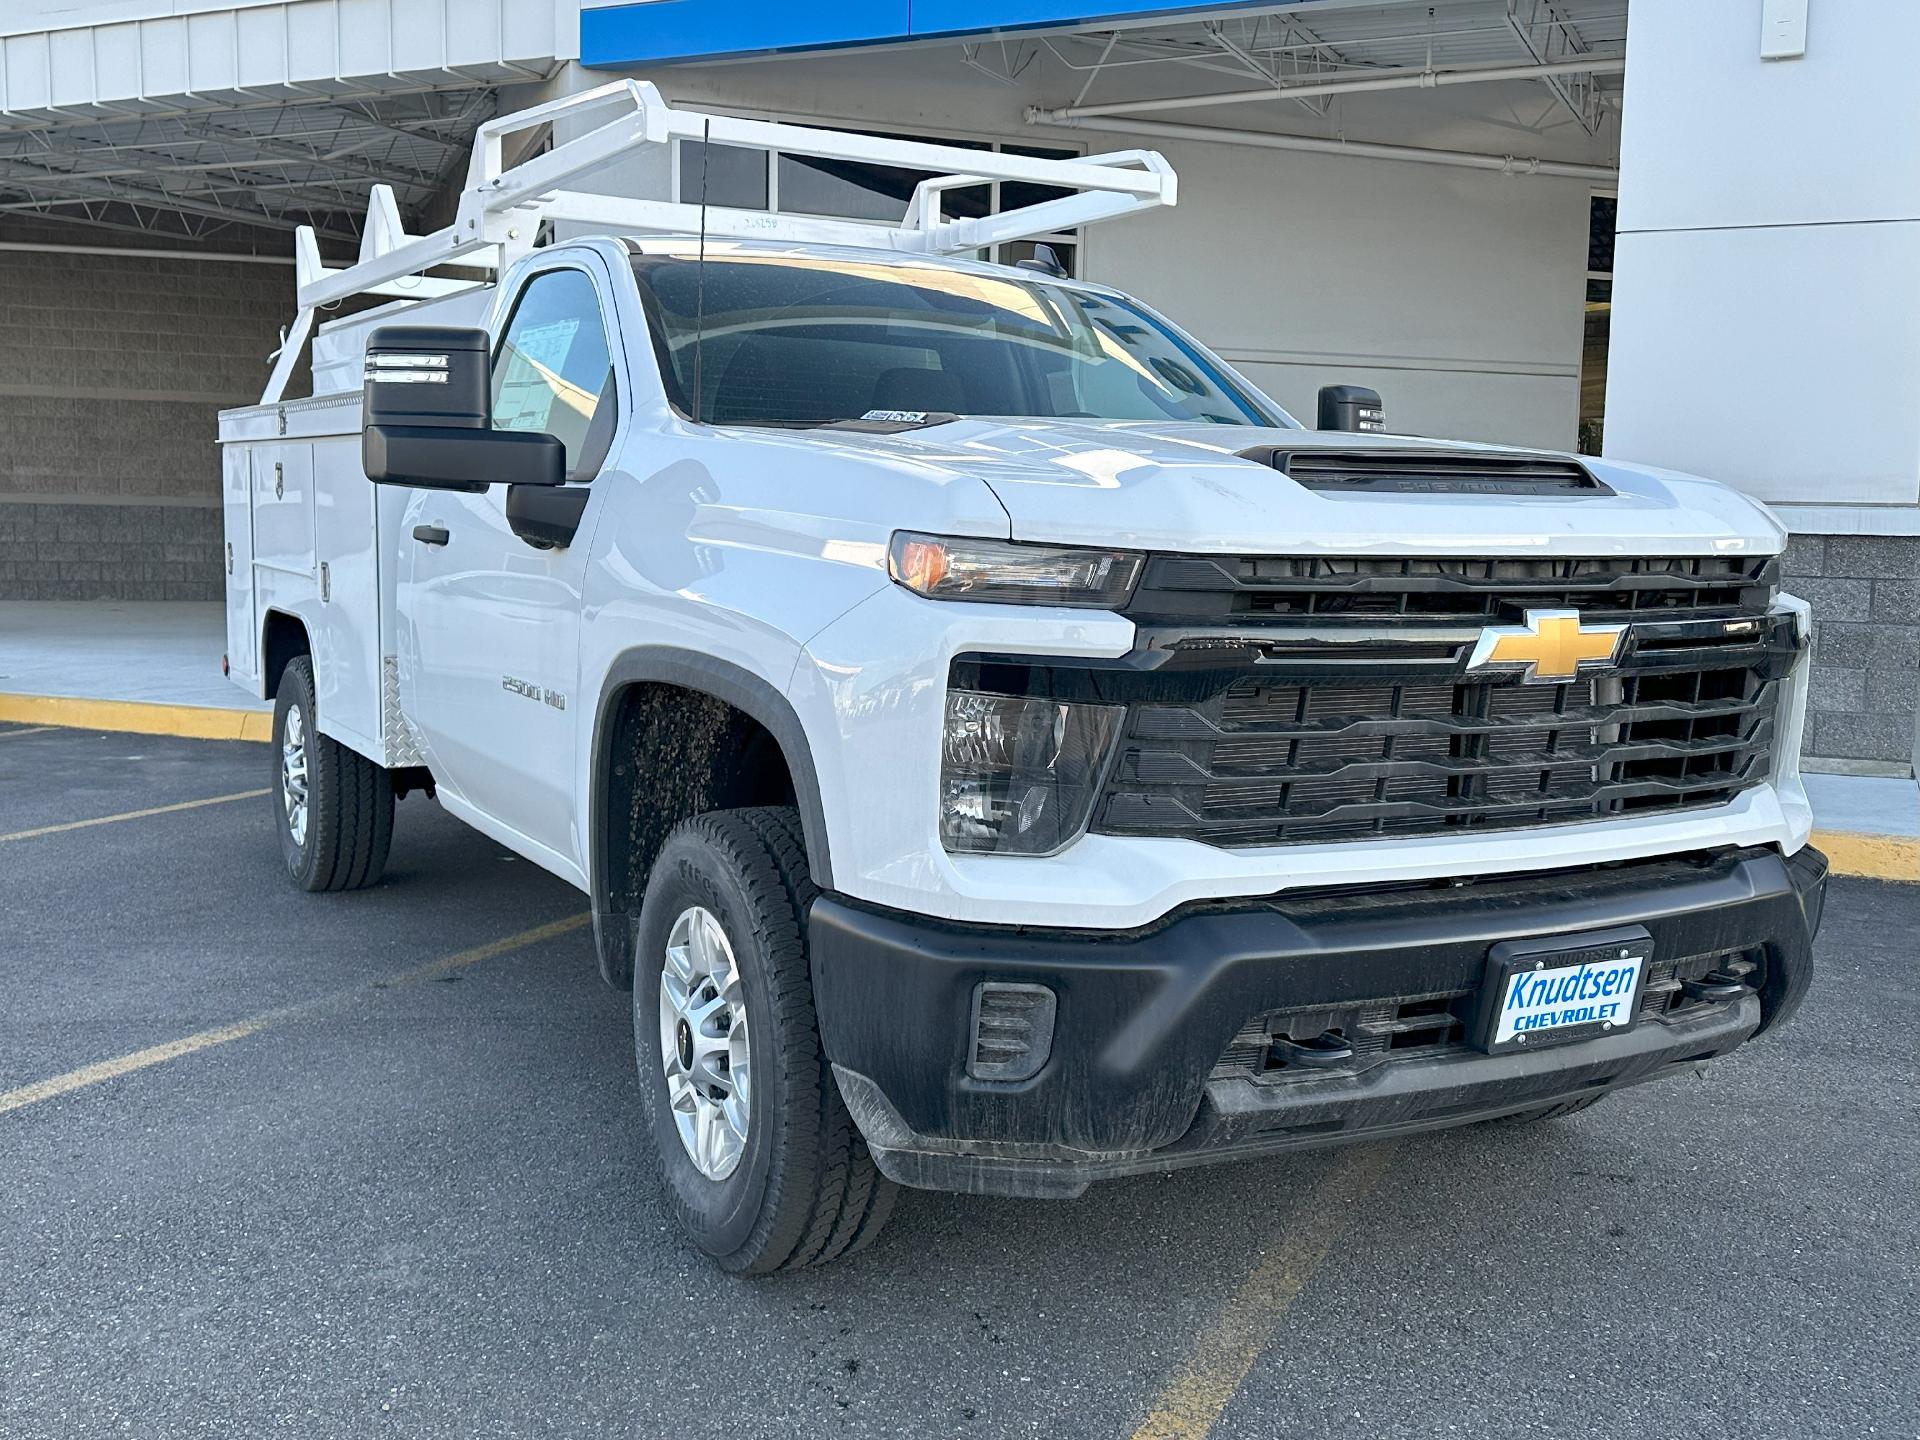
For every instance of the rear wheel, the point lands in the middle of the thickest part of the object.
(334, 806)
(763, 1166)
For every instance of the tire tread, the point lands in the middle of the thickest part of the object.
(828, 1198)
(349, 800)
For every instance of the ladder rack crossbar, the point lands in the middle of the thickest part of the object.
(502, 206)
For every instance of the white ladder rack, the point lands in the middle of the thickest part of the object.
(501, 208)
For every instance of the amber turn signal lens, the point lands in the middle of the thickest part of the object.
(920, 564)
(951, 567)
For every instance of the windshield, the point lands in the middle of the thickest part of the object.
(807, 340)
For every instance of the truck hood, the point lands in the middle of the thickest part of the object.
(1153, 486)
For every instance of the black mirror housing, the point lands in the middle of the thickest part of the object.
(1352, 408)
(428, 403)
(433, 375)
(436, 457)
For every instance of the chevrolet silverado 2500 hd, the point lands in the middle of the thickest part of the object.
(1002, 748)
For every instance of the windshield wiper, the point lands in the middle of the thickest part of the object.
(874, 422)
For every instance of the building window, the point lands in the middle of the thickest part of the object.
(1602, 217)
(811, 185)
(734, 178)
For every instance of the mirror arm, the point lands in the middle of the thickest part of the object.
(546, 517)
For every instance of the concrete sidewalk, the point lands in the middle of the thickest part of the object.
(155, 652)
(151, 668)
(154, 668)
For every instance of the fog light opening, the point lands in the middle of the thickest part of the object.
(1012, 1033)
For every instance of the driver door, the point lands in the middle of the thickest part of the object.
(490, 622)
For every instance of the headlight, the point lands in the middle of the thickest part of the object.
(944, 568)
(1019, 776)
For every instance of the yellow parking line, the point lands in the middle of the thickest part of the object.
(1224, 1352)
(132, 815)
(104, 1070)
(124, 1064)
(138, 717)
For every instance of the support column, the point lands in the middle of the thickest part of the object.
(1766, 319)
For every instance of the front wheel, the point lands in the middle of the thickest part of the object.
(334, 806)
(763, 1166)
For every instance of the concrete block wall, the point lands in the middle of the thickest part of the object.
(1865, 593)
(111, 552)
(112, 370)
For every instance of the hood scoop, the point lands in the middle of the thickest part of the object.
(1428, 472)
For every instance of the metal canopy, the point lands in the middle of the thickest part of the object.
(249, 118)
(1298, 58)
(240, 142)
(231, 174)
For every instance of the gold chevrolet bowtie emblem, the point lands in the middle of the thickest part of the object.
(1550, 647)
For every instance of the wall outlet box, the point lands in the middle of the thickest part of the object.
(1783, 29)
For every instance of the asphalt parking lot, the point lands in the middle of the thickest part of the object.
(376, 1166)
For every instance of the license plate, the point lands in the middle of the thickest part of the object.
(1563, 987)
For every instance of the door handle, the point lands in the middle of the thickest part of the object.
(431, 534)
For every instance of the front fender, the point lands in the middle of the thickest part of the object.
(725, 681)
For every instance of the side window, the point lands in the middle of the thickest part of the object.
(553, 372)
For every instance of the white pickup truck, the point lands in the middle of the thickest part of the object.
(1003, 749)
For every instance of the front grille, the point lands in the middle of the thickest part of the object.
(1397, 1027)
(1309, 732)
(1362, 590)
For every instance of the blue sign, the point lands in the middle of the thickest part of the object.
(616, 36)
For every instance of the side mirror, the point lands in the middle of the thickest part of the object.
(427, 416)
(1351, 408)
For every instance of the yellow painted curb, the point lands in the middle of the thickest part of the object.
(1875, 857)
(137, 717)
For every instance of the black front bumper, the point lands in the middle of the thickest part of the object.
(1133, 1081)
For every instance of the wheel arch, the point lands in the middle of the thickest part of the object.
(731, 685)
(283, 638)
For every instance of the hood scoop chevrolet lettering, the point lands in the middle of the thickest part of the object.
(1429, 471)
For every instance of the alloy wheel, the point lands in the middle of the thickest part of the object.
(293, 774)
(705, 1048)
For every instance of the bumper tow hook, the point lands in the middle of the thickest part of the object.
(1729, 982)
(1329, 1048)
